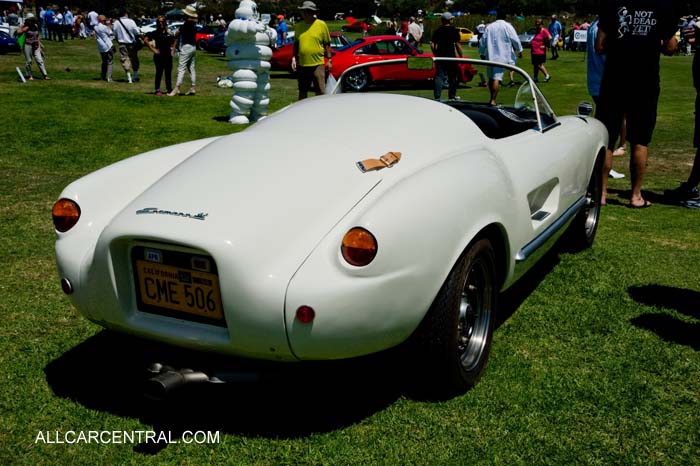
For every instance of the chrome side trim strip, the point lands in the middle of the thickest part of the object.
(550, 231)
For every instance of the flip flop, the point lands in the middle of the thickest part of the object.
(641, 206)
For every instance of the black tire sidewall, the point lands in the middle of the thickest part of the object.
(436, 338)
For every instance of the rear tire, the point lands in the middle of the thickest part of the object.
(452, 343)
(357, 81)
(583, 228)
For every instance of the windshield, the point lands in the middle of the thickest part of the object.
(519, 105)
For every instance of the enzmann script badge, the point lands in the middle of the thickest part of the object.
(175, 213)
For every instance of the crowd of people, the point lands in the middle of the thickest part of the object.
(626, 107)
(626, 36)
(121, 35)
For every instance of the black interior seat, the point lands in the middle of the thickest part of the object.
(495, 122)
(488, 124)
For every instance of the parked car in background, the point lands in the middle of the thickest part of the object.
(203, 34)
(148, 27)
(380, 48)
(465, 35)
(216, 44)
(8, 43)
(526, 37)
(175, 26)
(357, 26)
(282, 56)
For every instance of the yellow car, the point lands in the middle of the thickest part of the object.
(465, 35)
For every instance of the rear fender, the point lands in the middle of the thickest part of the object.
(422, 224)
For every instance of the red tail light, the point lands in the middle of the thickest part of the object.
(305, 314)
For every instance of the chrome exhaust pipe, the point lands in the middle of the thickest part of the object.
(165, 379)
(168, 379)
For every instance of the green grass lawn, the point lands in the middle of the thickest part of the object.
(595, 361)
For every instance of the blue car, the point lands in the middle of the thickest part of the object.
(8, 43)
(216, 43)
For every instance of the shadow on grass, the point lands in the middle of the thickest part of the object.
(108, 373)
(666, 326)
(513, 297)
(651, 196)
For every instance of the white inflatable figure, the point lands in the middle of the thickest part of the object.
(248, 42)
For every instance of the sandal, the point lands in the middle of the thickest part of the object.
(643, 205)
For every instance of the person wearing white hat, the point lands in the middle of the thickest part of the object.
(187, 36)
(312, 44)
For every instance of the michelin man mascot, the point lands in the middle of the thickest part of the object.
(248, 42)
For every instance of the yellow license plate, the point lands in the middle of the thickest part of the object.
(166, 287)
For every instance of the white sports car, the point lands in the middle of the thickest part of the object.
(394, 218)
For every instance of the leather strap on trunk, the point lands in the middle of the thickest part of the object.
(387, 160)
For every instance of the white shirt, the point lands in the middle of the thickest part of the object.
(415, 31)
(92, 16)
(122, 35)
(104, 36)
(500, 40)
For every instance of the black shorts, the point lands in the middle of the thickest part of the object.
(635, 101)
(539, 59)
(311, 78)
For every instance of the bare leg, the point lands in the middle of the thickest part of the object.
(493, 87)
(638, 167)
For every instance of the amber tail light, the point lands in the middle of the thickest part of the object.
(66, 214)
(359, 247)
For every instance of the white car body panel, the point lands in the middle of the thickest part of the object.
(273, 222)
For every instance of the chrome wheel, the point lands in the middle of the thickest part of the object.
(475, 309)
(583, 229)
(451, 345)
(591, 210)
(357, 80)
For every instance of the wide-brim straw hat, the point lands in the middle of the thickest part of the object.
(307, 5)
(189, 11)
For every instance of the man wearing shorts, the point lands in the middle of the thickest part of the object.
(632, 34)
(500, 39)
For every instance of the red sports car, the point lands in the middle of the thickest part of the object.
(282, 57)
(378, 48)
(204, 33)
(357, 26)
